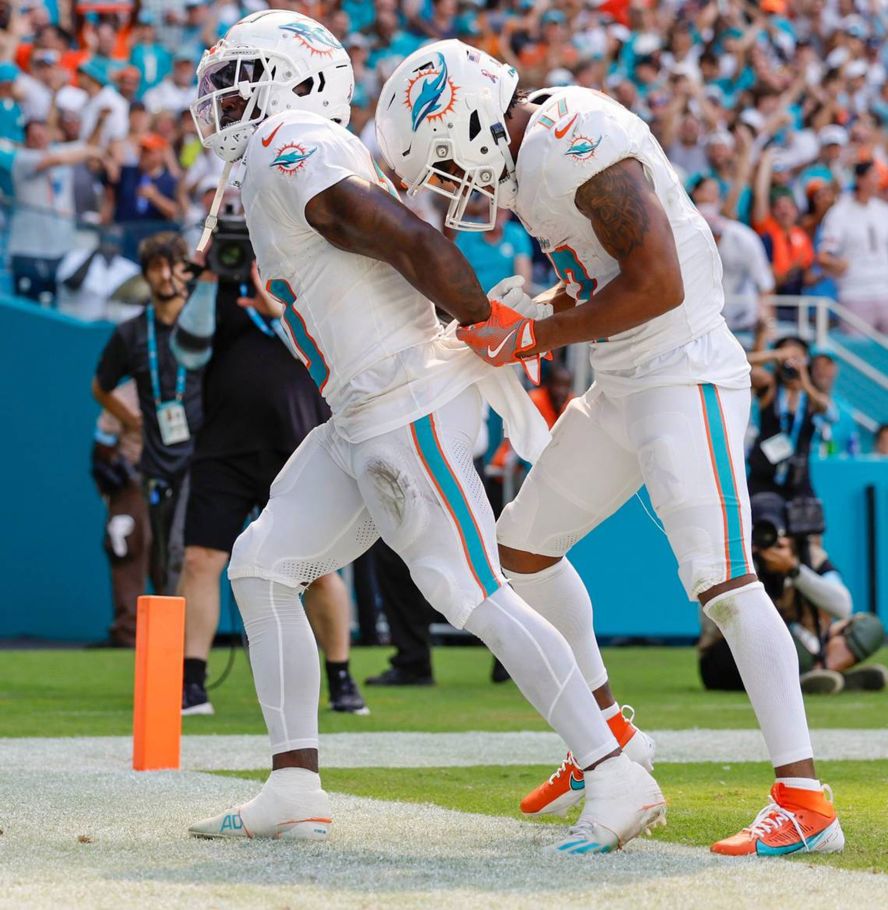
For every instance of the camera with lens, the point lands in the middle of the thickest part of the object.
(787, 372)
(231, 255)
(773, 517)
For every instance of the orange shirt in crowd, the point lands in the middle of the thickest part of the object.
(791, 249)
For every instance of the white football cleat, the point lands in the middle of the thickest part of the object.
(622, 801)
(290, 806)
(565, 788)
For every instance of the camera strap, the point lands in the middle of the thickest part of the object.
(792, 434)
(153, 368)
(260, 323)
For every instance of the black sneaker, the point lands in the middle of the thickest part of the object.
(822, 682)
(395, 676)
(195, 700)
(346, 696)
(498, 672)
(866, 677)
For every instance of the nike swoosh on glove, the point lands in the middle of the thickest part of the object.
(510, 291)
(502, 338)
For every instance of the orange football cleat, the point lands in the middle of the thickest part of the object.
(796, 820)
(565, 788)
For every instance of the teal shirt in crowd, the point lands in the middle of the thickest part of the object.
(494, 261)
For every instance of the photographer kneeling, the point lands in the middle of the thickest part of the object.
(809, 594)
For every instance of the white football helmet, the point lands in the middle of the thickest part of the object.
(441, 124)
(269, 62)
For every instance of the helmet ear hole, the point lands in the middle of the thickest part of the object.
(304, 88)
(474, 125)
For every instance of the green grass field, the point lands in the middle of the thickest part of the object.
(89, 693)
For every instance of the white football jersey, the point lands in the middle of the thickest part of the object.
(574, 135)
(371, 341)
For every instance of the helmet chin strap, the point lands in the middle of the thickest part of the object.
(211, 219)
(507, 194)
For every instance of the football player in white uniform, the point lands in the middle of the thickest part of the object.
(640, 281)
(357, 274)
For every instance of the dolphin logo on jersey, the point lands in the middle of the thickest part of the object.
(428, 104)
(291, 158)
(313, 36)
(583, 148)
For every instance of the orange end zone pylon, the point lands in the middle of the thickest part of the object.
(157, 698)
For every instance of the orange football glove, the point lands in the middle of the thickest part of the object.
(502, 338)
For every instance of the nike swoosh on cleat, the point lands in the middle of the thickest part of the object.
(492, 352)
(560, 134)
(577, 784)
(267, 140)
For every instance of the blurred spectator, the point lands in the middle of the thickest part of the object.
(104, 116)
(145, 192)
(171, 411)
(855, 249)
(837, 432)
(12, 121)
(87, 279)
(176, 92)
(775, 217)
(42, 224)
(729, 166)
(128, 80)
(497, 254)
(686, 152)
(787, 402)
(881, 447)
(829, 166)
(116, 453)
(150, 57)
(746, 274)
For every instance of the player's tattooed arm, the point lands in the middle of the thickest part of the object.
(359, 217)
(629, 221)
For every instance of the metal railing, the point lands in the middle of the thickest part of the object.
(820, 333)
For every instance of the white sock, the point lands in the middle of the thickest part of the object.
(544, 669)
(769, 667)
(610, 711)
(284, 658)
(801, 783)
(558, 593)
(282, 797)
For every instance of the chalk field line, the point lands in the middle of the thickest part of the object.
(418, 750)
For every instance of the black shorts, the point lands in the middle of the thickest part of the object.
(224, 491)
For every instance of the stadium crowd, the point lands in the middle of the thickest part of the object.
(774, 113)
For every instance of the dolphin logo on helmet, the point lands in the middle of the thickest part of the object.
(314, 36)
(429, 95)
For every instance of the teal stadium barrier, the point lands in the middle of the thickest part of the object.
(56, 583)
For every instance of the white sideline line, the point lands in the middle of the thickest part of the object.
(413, 750)
(116, 839)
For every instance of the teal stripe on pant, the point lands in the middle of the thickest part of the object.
(449, 486)
(718, 439)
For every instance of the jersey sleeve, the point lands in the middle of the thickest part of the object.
(300, 157)
(581, 146)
